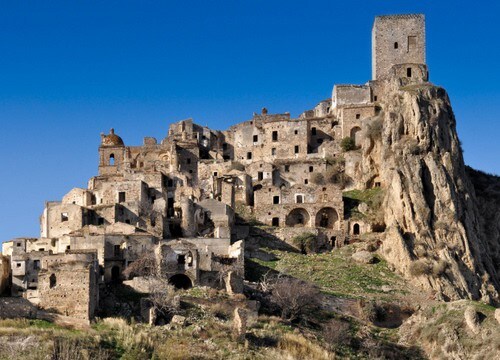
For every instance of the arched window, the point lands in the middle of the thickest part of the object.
(112, 159)
(52, 280)
(355, 229)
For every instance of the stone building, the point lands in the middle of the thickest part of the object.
(183, 197)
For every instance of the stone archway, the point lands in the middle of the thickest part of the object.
(181, 281)
(356, 229)
(327, 218)
(356, 135)
(298, 217)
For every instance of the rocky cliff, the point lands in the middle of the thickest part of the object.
(438, 232)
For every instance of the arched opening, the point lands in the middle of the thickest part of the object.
(356, 135)
(355, 229)
(333, 241)
(298, 217)
(52, 281)
(115, 274)
(181, 281)
(112, 159)
(327, 218)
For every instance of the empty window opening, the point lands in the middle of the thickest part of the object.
(275, 136)
(41, 249)
(358, 116)
(273, 151)
(276, 199)
(408, 72)
(311, 168)
(18, 244)
(260, 175)
(313, 131)
(121, 197)
(100, 221)
(112, 159)
(276, 221)
(181, 259)
(296, 132)
(299, 199)
(255, 138)
(68, 247)
(287, 168)
(296, 149)
(64, 216)
(215, 173)
(36, 264)
(355, 229)
(306, 181)
(377, 184)
(249, 156)
(396, 45)
(188, 161)
(18, 265)
(52, 281)
(170, 183)
(375, 98)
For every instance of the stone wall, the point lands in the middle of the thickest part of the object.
(4, 273)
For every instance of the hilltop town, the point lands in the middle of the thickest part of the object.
(377, 164)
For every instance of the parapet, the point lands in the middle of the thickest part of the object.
(350, 95)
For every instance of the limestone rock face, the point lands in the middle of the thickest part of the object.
(430, 207)
(363, 257)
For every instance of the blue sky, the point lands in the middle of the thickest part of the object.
(72, 69)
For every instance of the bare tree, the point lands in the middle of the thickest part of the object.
(294, 297)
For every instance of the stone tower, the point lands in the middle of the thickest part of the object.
(396, 40)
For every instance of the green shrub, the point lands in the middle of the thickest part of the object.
(347, 144)
(374, 129)
(306, 242)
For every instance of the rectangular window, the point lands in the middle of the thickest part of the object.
(215, 173)
(260, 175)
(299, 199)
(249, 156)
(276, 221)
(18, 244)
(36, 264)
(313, 131)
(188, 161)
(255, 138)
(273, 151)
(358, 116)
(408, 72)
(275, 136)
(287, 168)
(100, 221)
(306, 181)
(18, 265)
(311, 168)
(296, 132)
(296, 149)
(121, 197)
(64, 217)
(276, 199)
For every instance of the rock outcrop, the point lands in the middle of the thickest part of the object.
(435, 231)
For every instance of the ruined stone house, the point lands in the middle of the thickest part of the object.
(181, 196)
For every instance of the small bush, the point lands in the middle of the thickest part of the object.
(306, 242)
(337, 332)
(348, 144)
(420, 267)
(439, 267)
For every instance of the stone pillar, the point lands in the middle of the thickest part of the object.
(239, 324)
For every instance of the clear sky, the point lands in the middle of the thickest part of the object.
(70, 70)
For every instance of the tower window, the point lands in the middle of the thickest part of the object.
(358, 116)
(273, 151)
(255, 138)
(311, 168)
(64, 217)
(249, 156)
(276, 199)
(299, 199)
(275, 136)
(112, 159)
(296, 149)
(260, 175)
(313, 131)
(396, 45)
(408, 72)
(121, 197)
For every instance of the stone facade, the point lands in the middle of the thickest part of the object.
(188, 197)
